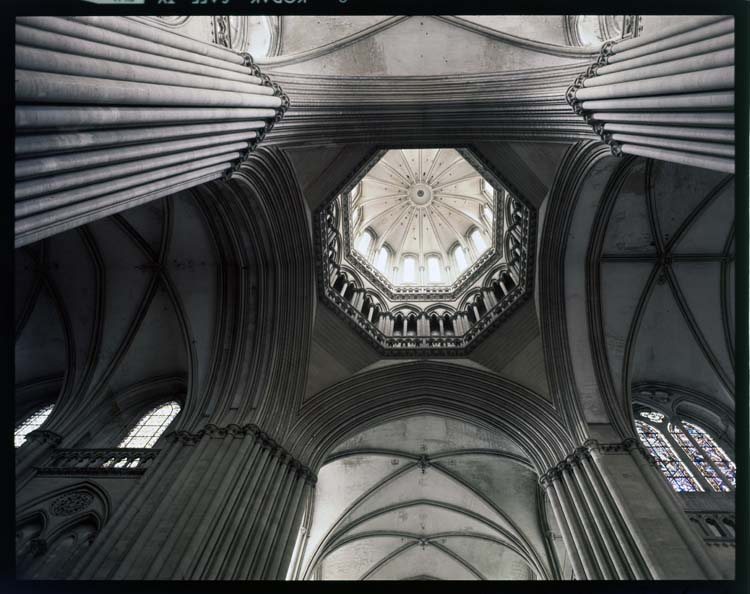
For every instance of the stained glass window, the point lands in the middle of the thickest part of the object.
(713, 451)
(31, 423)
(699, 459)
(667, 460)
(652, 416)
(151, 426)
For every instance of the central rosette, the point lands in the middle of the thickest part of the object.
(420, 194)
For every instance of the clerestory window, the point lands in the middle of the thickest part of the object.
(31, 423)
(151, 426)
(686, 445)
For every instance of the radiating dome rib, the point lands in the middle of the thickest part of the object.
(422, 202)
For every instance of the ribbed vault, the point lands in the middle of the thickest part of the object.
(652, 246)
(425, 495)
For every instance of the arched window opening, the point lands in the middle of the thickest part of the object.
(151, 426)
(349, 293)
(26, 532)
(381, 261)
(398, 325)
(31, 423)
(448, 325)
(410, 269)
(433, 269)
(376, 315)
(699, 458)
(487, 213)
(678, 475)
(65, 551)
(713, 528)
(470, 314)
(481, 307)
(366, 306)
(508, 281)
(339, 284)
(497, 290)
(26, 535)
(488, 189)
(363, 242)
(460, 257)
(480, 245)
(729, 527)
(434, 325)
(411, 325)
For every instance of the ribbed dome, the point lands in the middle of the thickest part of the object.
(422, 216)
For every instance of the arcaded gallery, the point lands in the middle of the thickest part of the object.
(375, 298)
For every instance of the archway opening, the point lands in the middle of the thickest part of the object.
(424, 497)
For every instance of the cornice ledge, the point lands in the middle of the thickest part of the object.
(234, 431)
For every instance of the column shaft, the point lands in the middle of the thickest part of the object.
(686, 67)
(616, 522)
(721, 42)
(600, 516)
(589, 569)
(125, 75)
(565, 532)
(624, 51)
(39, 38)
(685, 146)
(683, 158)
(589, 530)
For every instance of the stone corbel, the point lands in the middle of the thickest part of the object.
(575, 104)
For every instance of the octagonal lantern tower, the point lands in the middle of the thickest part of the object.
(424, 250)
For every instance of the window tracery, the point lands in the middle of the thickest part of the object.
(151, 426)
(715, 453)
(691, 445)
(675, 471)
(705, 454)
(31, 423)
(652, 416)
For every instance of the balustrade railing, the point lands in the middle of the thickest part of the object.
(99, 461)
(717, 528)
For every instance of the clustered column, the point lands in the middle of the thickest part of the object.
(112, 113)
(603, 527)
(667, 95)
(594, 532)
(222, 503)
